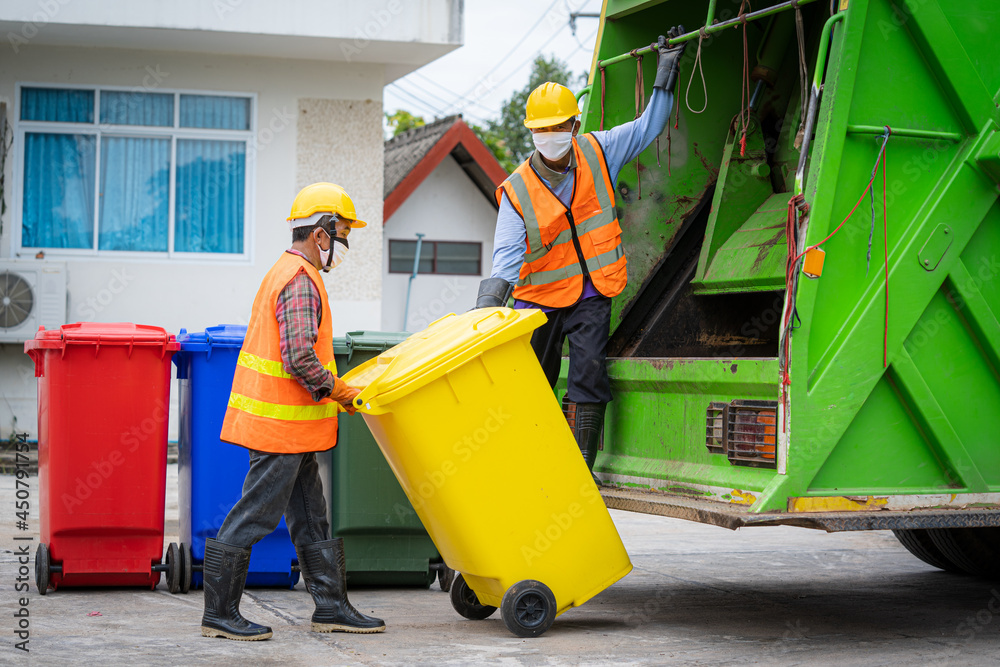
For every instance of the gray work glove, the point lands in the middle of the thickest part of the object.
(668, 63)
(493, 292)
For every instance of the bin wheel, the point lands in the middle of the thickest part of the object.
(465, 602)
(43, 565)
(445, 576)
(528, 608)
(174, 567)
(186, 567)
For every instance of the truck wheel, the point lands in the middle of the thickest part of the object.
(465, 602)
(973, 550)
(43, 565)
(528, 608)
(920, 544)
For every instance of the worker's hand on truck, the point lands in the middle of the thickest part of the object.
(668, 63)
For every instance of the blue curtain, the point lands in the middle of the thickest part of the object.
(215, 112)
(58, 210)
(135, 194)
(208, 208)
(58, 105)
(133, 108)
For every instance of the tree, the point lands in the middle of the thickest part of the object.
(403, 120)
(507, 137)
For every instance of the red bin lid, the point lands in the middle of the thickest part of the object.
(102, 333)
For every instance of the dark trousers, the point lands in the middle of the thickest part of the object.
(586, 324)
(278, 484)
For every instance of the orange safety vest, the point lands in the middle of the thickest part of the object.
(564, 243)
(268, 409)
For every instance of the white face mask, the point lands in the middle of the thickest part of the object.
(331, 260)
(553, 145)
(340, 248)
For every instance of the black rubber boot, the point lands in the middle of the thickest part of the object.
(325, 572)
(224, 574)
(589, 424)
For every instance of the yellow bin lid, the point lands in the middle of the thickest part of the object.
(443, 346)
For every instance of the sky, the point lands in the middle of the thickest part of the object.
(502, 39)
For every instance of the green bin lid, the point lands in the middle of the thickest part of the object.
(367, 341)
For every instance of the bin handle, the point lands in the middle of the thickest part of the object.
(476, 324)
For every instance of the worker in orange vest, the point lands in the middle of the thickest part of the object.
(558, 243)
(283, 408)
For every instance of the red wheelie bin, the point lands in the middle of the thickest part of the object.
(103, 403)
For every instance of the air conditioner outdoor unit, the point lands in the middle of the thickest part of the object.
(32, 294)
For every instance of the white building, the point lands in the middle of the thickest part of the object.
(439, 182)
(157, 147)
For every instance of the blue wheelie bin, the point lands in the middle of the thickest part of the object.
(211, 472)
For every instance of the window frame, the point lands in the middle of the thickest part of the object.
(434, 258)
(97, 129)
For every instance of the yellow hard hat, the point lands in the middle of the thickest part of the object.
(324, 198)
(550, 104)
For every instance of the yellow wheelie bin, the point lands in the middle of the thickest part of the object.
(469, 426)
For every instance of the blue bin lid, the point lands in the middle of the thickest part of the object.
(222, 335)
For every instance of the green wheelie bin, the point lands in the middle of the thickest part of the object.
(384, 542)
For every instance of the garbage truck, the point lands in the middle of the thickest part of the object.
(809, 335)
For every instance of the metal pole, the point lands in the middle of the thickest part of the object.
(904, 132)
(409, 284)
(814, 94)
(709, 29)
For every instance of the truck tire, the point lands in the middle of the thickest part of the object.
(920, 544)
(974, 550)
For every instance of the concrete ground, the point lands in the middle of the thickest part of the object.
(698, 595)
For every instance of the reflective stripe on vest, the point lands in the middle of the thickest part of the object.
(537, 249)
(283, 412)
(555, 275)
(272, 368)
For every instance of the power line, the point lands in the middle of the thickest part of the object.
(537, 53)
(450, 92)
(432, 95)
(501, 61)
(422, 103)
(438, 113)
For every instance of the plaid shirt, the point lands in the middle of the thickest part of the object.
(299, 311)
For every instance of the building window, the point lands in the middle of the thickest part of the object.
(110, 170)
(445, 257)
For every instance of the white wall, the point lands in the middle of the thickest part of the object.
(446, 207)
(195, 295)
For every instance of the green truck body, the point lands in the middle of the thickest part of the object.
(883, 416)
